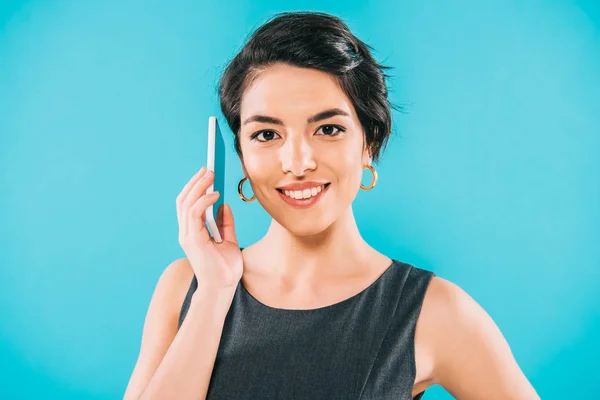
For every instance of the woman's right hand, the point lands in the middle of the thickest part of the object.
(217, 266)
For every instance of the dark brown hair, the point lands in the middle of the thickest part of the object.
(323, 42)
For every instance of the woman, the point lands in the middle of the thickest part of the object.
(311, 310)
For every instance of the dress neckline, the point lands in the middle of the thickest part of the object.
(318, 309)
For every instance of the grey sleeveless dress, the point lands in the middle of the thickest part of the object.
(359, 348)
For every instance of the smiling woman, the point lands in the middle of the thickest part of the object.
(311, 310)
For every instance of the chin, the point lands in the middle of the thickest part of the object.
(305, 227)
(302, 230)
(307, 222)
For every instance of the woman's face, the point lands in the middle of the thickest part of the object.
(286, 144)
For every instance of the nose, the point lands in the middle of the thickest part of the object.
(297, 156)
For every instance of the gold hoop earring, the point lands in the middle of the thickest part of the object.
(373, 180)
(241, 191)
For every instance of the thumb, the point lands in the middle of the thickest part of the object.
(225, 223)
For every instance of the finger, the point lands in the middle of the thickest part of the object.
(189, 185)
(197, 230)
(197, 191)
(183, 194)
(220, 218)
(227, 227)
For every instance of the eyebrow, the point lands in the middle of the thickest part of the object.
(317, 117)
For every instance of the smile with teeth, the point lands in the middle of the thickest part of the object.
(303, 194)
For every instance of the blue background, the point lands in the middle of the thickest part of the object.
(493, 180)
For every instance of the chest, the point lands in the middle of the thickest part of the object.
(358, 349)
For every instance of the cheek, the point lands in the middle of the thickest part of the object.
(257, 166)
(348, 167)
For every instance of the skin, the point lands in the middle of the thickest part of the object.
(314, 257)
(309, 250)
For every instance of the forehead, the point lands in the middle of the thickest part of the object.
(281, 89)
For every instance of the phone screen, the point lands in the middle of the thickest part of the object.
(219, 184)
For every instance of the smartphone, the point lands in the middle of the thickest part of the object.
(215, 161)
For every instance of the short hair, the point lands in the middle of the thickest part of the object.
(313, 40)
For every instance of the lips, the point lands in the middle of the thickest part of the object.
(302, 185)
(300, 188)
(303, 203)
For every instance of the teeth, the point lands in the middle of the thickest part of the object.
(304, 194)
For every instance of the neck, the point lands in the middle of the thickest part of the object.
(339, 249)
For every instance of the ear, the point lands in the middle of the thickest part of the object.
(366, 156)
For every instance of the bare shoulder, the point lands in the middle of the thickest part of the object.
(447, 310)
(178, 275)
(465, 351)
(161, 323)
(173, 284)
(443, 305)
(431, 315)
(441, 297)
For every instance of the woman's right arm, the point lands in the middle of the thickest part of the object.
(178, 364)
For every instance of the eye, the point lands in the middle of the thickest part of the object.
(267, 136)
(327, 131)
